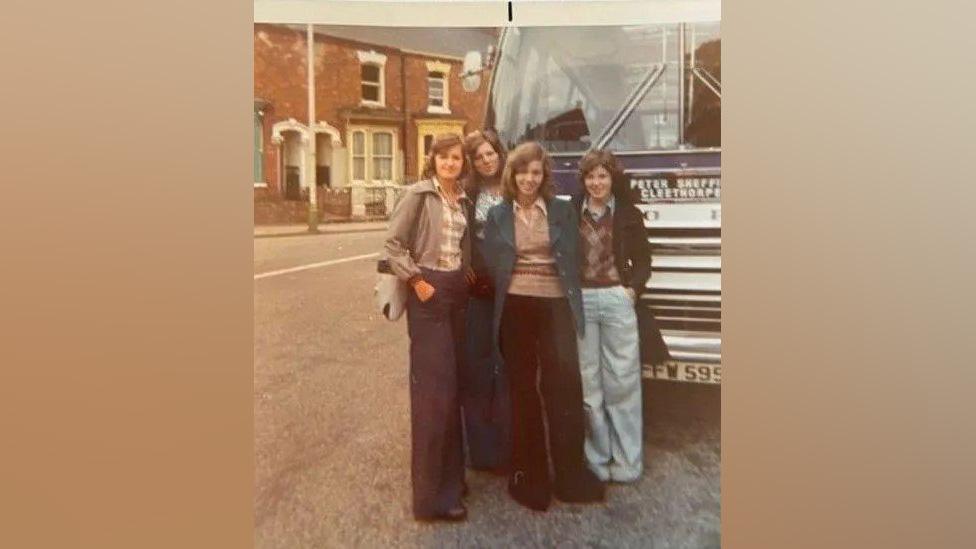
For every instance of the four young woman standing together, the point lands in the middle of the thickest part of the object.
(523, 334)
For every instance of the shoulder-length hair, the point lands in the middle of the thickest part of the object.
(472, 142)
(518, 161)
(442, 143)
(596, 158)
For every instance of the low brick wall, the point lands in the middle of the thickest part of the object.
(334, 205)
(285, 213)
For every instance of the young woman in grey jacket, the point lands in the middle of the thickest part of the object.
(429, 246)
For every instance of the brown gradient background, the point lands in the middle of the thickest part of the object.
(848, 275)
(848, 278)
(127, 275)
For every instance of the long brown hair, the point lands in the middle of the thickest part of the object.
(518, 161)
(472, 142)
(444, 142)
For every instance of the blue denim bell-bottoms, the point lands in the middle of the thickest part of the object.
(609, 356)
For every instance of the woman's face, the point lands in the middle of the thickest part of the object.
(529, 180)
(486, 160)
(598, 183)
(448, 163)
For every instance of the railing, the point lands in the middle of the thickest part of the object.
(375, 201)
(335, 202)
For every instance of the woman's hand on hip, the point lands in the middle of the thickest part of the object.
(470, 277)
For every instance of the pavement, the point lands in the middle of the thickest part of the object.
(271, 231)
(332, 429)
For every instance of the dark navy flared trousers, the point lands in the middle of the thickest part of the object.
(436, 329)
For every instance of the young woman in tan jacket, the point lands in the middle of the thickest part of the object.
(429, 246)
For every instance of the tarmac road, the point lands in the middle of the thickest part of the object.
(331, 414)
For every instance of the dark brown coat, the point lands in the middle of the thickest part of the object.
(632, 257)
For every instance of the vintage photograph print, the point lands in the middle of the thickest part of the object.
(487, 283)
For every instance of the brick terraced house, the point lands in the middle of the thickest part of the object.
(380, 96)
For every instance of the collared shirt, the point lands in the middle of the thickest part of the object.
(535, 272)
(597, 267)
(611, 202)
(453, 225)
(529, 215)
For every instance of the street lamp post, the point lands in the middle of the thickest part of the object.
(313, 213)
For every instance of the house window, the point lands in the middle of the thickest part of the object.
(371, 83)
(359, 156)
(372, 79)
(435, 89)
(373, 154)
(258, 147)
(383, 156)
(428, 141)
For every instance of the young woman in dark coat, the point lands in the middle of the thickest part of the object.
(615, 264)
(484, 386)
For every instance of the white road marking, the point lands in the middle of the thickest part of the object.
(315, 265)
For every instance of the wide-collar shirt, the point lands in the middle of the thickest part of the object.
(585, 209)
(453, 224)
(597, 267)
(535, 272)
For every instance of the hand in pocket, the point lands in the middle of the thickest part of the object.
(423, 290)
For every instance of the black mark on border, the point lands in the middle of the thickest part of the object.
(509, 12)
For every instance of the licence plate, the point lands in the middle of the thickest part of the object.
(673, 370)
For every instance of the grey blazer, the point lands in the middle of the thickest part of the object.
(413, 239)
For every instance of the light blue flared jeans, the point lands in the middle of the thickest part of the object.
(609, 355)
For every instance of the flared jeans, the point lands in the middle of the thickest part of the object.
(609, 354)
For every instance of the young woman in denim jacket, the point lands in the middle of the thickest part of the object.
(531, 246)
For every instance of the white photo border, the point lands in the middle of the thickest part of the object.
(480, 13)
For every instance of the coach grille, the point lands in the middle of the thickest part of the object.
(685, 291)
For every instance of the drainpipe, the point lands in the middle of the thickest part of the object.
(310, 162)
(406, 117)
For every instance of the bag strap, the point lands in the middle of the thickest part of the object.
(413, 230)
